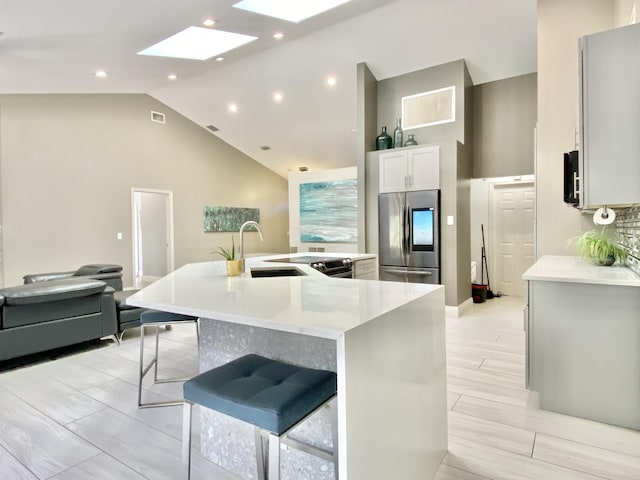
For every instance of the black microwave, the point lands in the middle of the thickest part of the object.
(571, 178)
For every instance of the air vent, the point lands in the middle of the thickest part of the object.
(213, 128)
(265, 147)
(157, 117)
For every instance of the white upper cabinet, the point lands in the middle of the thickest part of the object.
(411, 169)
(610, 117)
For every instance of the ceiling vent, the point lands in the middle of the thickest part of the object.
(265, 147)
(212, 128)
(157, 117)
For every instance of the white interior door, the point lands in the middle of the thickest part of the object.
(513, 239)
(153, 234)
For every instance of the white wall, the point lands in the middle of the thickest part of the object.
(153, 226)
(626, 12)
(560, 24)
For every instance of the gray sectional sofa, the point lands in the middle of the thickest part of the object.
(56, 313)
(111, 274)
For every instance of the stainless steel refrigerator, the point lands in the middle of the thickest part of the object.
(409, 236)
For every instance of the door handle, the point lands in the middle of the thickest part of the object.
(408, 272)
(407, 230)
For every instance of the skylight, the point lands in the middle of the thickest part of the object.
(197, 43)
(290, 10)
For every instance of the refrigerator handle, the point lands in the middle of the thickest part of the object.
(407, 225)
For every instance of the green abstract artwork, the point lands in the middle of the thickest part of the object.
(228, 219)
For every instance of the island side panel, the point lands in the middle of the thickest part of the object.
(229, 442)
(585, 350)
(393, 412)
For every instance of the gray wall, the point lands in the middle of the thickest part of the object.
(69, 162)
(504, 118)
(391, 90)
(455, 164)
(367, 113)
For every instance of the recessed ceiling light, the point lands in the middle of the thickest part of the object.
(233, 108)
(208, 22)
(197, 43)
(100, 74)
(290, 10)
(278, 35)
(331, 81)
(172, 76)
(219, 59)
(278, 97)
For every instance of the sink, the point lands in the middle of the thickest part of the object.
(262, 272)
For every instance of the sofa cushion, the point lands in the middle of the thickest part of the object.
(121, 299)
(44, 302)
(51, 291)
(96, 268)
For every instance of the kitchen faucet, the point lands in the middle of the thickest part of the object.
(241, 250)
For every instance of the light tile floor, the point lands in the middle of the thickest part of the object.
(75, 418)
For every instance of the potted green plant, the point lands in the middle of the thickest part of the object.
(234, 267)
(599, 248)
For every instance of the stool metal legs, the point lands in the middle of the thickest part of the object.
(186, 438)
(143, 370)
(274, 456)
(273, 450)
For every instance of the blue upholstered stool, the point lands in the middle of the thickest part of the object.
(154, 318)
(273, 396)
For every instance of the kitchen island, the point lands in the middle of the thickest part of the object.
(385, 341)
(583, 339)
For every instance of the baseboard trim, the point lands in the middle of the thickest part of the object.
(460, 310)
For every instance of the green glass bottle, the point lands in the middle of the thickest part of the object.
(384, 140)
(397, 134)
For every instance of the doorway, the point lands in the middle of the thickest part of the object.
(152, 214)
(512, 228)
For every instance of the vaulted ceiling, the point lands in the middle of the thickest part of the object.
(56, 47)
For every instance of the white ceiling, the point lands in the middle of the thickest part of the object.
(54, 46)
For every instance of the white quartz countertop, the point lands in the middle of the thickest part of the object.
(313, 304)
(556, 268)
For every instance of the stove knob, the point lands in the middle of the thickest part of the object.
(347, 262)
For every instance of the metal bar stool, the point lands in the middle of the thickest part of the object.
(157, 319)
(271, 395)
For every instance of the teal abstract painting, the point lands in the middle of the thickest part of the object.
(329, 211)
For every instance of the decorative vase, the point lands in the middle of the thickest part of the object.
(384, 141)
(610, 260)
(397, 134)
(410, 140)
(234, 268)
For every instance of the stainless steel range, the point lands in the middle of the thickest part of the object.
(331, 266)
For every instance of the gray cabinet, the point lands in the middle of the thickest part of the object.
(583, 350)
(610, 117)
(365, 268)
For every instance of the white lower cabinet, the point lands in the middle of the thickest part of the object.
(583, 349)
(365, 269)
